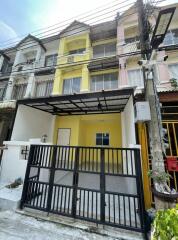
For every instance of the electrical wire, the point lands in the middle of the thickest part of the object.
(97, 17)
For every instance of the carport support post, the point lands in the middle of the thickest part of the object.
(102, 186)
(51, 178)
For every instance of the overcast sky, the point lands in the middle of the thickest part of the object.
(20, 17)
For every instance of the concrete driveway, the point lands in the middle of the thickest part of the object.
(14, 226)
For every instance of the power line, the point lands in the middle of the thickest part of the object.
(93, 15)
(70, 19)
(92, 18)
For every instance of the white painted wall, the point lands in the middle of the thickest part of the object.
(128, 124)
(32, 123)
(12, 166)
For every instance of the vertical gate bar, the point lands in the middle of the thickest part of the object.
(102, 185)
(75, 183)
(51, 178)
(25, 187)
(140, 189)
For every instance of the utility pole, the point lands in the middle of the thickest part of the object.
(155, 125)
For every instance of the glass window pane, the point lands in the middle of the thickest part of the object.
(114, 80)
(66, 86)
(110, 49)
(175, 36)
(98, 138)
(92, 82)
(76, 85)
(173, 70)
(107, 81)
(168, 40)
(98, 51)
(105, 139)
(99, 82)
(40, 89)
(135, 78)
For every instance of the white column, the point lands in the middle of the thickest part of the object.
(9, 88)
(1, 61)
(17, 58)
(30, 84)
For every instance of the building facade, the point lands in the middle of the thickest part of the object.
(76, 94)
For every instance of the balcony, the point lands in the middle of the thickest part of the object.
(19, 91)
(104, 63)
(128, 48)
(71, 59)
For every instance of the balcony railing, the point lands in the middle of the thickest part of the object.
(74, 58)
(130, 47)
(2, 93)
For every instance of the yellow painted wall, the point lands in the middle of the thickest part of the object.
(84, 128)
(145, 164)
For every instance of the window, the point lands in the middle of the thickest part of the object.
(19, 91)
(104, 81)
(3, 87)
(30, 61)
(71, 85)
(102, 139)
(104, 50)
(171, 37)
(173, 71)
(135, 78)
(131, 39)
(77, 51)
(44, 88)
(51, 60)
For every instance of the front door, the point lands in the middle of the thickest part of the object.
(63, 137)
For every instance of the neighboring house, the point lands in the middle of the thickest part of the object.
(128, 46)
(27, 70)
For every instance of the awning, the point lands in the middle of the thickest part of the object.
(83, 103)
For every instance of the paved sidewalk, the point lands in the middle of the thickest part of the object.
(14, 226)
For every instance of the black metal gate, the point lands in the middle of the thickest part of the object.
(102, 185)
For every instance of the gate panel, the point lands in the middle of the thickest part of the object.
(102, 185)
(88, 184)
(63, 183)
(121, 194)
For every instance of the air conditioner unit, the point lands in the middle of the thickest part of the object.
(142, 112)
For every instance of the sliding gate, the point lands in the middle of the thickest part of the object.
(101, 185)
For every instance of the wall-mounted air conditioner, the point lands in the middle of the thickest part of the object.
(142, 112)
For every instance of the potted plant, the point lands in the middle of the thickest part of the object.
(165, 225)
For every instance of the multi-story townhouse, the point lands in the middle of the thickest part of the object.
(27, 71)
(87, 165)
(128, 50)
(6, 110)
(87, 124)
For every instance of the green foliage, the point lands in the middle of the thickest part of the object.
(174, 83)
(159, 177)
(166, 225)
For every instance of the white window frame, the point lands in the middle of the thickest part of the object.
(53, 56)
(104, 52)
(141, 76)
(102, 145)
(71, 90)
(103, 80)
(171, 64)
(46, 82)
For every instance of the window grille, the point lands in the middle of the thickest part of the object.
(19, 91)
(44, 88)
